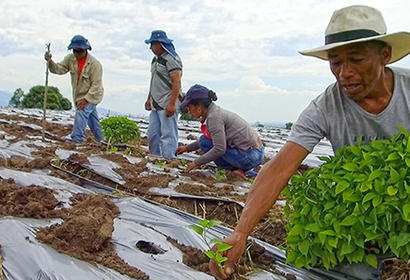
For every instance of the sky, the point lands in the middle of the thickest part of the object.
(246, 50)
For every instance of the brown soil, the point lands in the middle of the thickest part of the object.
(20, 131)
(196, 259)
(128, 171)
(141, 185)
(395, 269)
(76, 168)
(30, 202)
(202, 190)
(270, 229)
(79, 158)
(86, 233)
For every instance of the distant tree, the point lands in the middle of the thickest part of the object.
(288, 125)
(15, 100)
(188, 117)
(55, 101)
(258, 124)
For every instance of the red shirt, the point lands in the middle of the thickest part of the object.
(81, 63)
(205, 131)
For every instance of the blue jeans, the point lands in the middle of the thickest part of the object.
(163, 134)
(89, 116)
(234, 158)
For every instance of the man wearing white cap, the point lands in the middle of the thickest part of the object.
(368, 100)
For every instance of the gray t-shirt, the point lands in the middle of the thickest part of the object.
(161, 90)
(226, 129)
(341, 120)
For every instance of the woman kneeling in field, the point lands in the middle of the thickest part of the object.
(227, 139)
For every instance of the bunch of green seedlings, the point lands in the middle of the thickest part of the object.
(353, 208)
(119, 130)
(202, 229)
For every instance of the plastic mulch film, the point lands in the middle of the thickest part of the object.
(64, 190)
(26, 258)
(8, 150)
(140, 220)
(104, 167)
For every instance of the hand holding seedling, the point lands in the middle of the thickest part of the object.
(237, 242)
(216, 254)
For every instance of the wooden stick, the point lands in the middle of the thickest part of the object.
(45, 96)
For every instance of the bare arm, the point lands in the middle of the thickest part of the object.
(270, 181)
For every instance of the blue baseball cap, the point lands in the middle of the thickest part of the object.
(79, 42)
(196, 92)
(158, 36)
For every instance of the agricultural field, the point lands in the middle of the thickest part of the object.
(117, 212)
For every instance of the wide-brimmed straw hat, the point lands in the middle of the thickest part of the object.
(355, 24)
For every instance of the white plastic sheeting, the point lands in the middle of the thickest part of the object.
(26, 258)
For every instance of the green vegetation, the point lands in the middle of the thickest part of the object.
(128, 151)
(160, 163)
(288, 125)
(188, 117)
(354, 207)
(119, 130)
(34, 99)
(220, 174)
(15, 100)
(202, 229)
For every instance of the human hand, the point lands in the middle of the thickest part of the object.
(238, 242)
(191, 166)
(47, 56)
(170, 110)
(81, 104)
(181, 150)
(148, 105)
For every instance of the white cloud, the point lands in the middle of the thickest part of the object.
(240, 48)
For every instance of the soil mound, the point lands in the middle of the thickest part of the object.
(86, 233)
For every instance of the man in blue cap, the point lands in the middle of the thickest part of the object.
(86, 80)
(163, 101)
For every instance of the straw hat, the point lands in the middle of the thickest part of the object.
(355, 24)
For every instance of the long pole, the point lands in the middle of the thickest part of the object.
(45, 96)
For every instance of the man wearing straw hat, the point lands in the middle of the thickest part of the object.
(86, 80)
(162, 101)
(368, 100)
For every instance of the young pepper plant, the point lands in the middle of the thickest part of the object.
(202, 229)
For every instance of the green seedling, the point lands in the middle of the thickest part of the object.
(111, 149)
(160, 163)
(220, 175)
(128, 151)
(184, 162)
(57, 161)
(83, 172)
(352, 208)
(202, 229)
